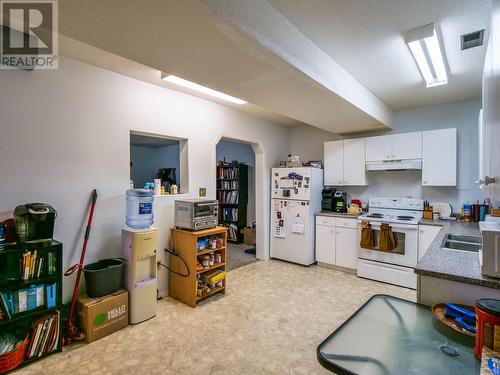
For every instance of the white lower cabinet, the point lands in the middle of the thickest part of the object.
(426, 234)
(337, 242)
(325, 244)
(346, 247)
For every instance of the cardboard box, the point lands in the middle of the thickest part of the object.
(101, 316)
(249, 236)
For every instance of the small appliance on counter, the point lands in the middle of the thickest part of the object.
(327, 201)
(34, 222)
(340, 201)
(196, 214)
(354, 209)
(489, 254)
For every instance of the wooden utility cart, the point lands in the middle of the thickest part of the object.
(185, 243)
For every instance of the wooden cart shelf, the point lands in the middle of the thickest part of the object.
(214, 291)
(217, 266)
(185, 243)
(208, 251)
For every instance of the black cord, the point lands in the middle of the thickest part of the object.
(172, 252)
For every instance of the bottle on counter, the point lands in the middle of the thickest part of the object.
(467, 212)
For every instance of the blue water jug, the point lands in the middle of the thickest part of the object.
(139, 208)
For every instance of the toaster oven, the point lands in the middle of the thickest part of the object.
(196, 214)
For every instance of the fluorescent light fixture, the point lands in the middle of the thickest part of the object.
(205, 90)
(424, 45)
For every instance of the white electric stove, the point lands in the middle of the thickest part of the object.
(395, 266)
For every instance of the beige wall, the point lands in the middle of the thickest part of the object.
(307, 141)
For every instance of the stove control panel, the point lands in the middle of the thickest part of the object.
(397, 203)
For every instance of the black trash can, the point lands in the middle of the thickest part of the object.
(104, 277)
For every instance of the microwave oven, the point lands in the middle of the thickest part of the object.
(489, 255)
(196, 214)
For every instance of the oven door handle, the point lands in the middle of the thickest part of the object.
(206, 204)
(376, 225)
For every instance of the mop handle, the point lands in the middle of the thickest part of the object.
(79, 266)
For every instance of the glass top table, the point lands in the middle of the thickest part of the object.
(389, 335)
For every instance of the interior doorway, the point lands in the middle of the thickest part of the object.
(235, 184)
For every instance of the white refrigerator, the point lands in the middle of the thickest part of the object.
(295, 198)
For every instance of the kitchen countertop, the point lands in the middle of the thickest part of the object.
(454, 265)
(337, 214)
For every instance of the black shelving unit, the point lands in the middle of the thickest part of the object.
(11, 281)
(232, 194)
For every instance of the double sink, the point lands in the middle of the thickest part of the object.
(461, 242)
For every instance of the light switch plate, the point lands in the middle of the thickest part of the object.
(203, 192)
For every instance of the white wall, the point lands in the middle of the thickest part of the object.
(460, 115)
(243, 153)
(147, 160)
(65, 132)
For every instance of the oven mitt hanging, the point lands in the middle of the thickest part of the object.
(387, 238)
(367, 236)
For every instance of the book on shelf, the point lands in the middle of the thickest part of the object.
(229, 185)
(27, 299)
(32, 263)
(228, 197)
(43, 335)
(232, 172)
(229, 214)
(232, 232)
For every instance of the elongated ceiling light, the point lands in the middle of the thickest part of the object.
(205, 90)
(424, 45)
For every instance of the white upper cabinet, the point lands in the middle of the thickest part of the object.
(394, 147)
(407, 146)
(378, 148)
(354, 162)
(334, 163)
(439, 151)
(345, 162)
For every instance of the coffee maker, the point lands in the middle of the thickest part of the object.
(339, 201)
(327, 203)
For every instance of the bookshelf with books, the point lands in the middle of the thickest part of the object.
(232, 194)
(31, 297)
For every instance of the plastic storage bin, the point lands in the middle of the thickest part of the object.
(139, 208)
(104, 277)
(488, 325)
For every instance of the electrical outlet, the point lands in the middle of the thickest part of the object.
(203, 192)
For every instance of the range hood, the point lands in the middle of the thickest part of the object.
(394, 165)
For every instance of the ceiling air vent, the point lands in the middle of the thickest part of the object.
(471, 40)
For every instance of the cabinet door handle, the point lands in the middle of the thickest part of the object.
(487, 180)
(424, 182)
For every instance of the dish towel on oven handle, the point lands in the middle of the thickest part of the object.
(367, 236)
(387, 238)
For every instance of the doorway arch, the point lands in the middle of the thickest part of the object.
(261, 217)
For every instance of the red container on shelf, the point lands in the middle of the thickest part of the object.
(488, 325)
(13, 359)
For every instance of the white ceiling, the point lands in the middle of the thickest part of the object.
(186, 39)
(366, 37)
(285, 57)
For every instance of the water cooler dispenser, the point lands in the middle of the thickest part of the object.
(139, 249)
